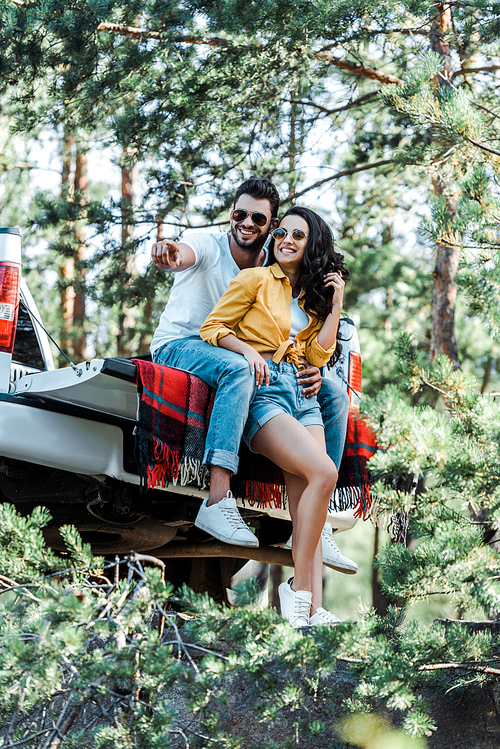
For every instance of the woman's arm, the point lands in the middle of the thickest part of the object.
(258, 364)
(327, 336)
(229, 310)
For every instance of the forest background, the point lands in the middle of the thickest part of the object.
(384, 117)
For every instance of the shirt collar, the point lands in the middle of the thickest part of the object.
(276, 270)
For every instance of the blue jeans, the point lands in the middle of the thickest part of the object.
(334, 404)
(230, 374)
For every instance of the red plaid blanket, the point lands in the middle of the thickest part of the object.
(353, 486)
(172, 421)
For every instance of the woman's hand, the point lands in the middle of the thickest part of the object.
(336, 281)
(258, 366)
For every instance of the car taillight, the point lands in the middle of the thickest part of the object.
(10, 281)
(354, 379)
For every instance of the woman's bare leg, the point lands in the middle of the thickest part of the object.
(295, 486)
(294, 448)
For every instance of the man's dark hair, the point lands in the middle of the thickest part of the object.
(260, 188)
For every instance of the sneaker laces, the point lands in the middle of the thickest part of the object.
(327, 616)
(301, 609)
(333, 543)
(234, 518)
(327, 537)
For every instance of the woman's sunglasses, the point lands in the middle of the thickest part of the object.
(282, 233)
(239, 214)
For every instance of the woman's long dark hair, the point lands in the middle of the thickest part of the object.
(319, 259)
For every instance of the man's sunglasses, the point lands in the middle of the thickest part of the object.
(239, 214)
(282, 233)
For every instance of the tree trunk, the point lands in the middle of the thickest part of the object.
(380, 601)
(444, 297)
(66, 268)
(292, 148)
(448, 255)
(79, 317)
(147, 313)
(72, 270)
(127, 315)
(276, 580)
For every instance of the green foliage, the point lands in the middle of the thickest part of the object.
(95, 648)
(72, 652)
(455, 451)
(197, 95)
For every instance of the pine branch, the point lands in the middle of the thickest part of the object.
(461, 666)
(437, 666)
(180, 642)
(419, 31)
(29, 738)
(482, 146)
(344, 173)
(349, 105)
(359, 69)
(494, 115)
(68, 716)
(483, 69)
(136, 33)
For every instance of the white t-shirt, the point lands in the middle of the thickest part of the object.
(196, 290)
(299, 318)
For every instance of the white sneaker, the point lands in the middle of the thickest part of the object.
(295, 604)
(322, 616)
(332, 556)
(223, 521)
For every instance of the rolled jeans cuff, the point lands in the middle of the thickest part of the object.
(221, 458)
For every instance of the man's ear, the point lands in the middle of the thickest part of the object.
(274, 224)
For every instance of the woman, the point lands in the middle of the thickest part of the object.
(275, 317)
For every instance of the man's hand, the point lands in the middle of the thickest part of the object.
(168, 255)
(310, 377)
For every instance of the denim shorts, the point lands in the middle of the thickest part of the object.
(283, 395)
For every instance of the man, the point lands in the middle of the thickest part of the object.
(204, 265)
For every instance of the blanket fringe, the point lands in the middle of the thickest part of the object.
(263, 495)
(158, 464)
(344, 498)
(394, 522)
(193, 471)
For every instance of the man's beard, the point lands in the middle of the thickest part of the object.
(251, 246)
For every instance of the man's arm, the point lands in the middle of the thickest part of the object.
(174, 256)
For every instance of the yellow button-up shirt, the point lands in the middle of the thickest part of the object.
(256, 308)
